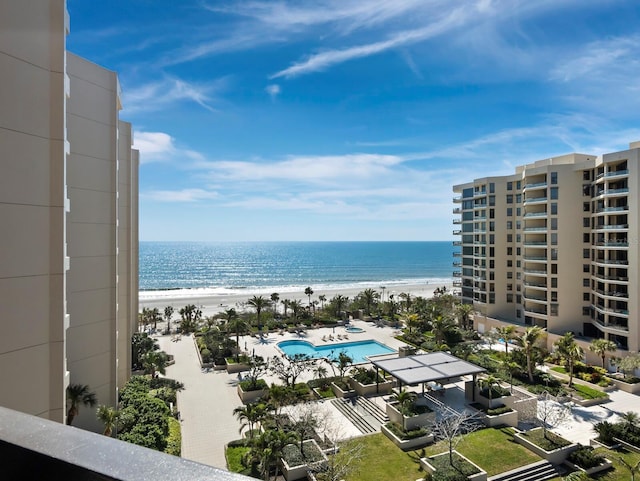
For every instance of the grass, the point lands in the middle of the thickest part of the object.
(589, 393)
(619, 471)
(383, 460)
(549, 442)
(234, 458)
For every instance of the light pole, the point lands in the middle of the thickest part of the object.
(383, 288)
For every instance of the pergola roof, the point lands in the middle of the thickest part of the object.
(435, 366)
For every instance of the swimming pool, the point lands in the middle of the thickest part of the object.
(357, 350)
(354, 330)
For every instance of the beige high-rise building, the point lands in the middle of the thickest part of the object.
(68, 207)
(554, 245)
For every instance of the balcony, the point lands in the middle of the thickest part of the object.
(479, 193)
(618, 295)
(535, 229)
(530, 298)
(534, 200)
(457, 274)
(457, 199)
(535, 258)
(615, 262)
(535, 285)
(612, 209)
(538, 185)
(36, 448)
(611, 227)
(613, 173)
(457, 221)
(535, 272)
(534, 244)
(529, 215)
(535, 311)
(614, 279)
(457, 232)
(457, 264)
(457, 243)
(612, 245)
(457, 210)
(457, 254)
(608, 310)
(610, 326)
(457, 283)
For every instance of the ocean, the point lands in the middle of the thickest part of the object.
(265, 267)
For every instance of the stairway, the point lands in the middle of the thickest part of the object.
(364, 414)
(532, 472)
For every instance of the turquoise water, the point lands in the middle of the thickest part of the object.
(356, 350)
(265, 267)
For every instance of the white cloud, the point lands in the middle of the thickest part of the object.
(184, 195)
(273, 90)
(153, 145)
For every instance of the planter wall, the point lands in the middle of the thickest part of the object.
(589, 402)
(596, 469)
(237, 367)
(481, 476)
(250, 396)
(371, 389)
(291, 473)
(340, 393)
(510, 419)
(407, 444)
(557, 456)
(627, 387)
(411, 422)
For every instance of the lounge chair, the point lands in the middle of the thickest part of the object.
(330, 337)
(324, 338)
(339, 337)
(345, 336)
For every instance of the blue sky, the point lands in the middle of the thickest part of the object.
(351, 120)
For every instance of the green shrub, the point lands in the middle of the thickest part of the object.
(249, 385)
(396, 429)
(589, 393)
(174, 439)
(499, 410)
(586, 458)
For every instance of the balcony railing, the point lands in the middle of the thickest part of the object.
(537, 185)
(611, 326)
(535, 229)
(457, 232)
(613, 173)
(612, 209)
(534, 199)
(535, 214)
(611, 227)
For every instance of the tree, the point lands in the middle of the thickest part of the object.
(289, 371)
(344, 363)
(489, 383)
(141, 344)
(155, 362)
(322, 298)
(78, 394)
(570, 352)
(339, 302)
(601, 347)
(463, 311)
(275, 297)
(285, 303)
(441, 327)
(237, 325)
(309, 292)
(630, 419)
(633, 468)
(191, 316)
(405, 400)
(109, 417)
(168, 312)
(412, 320)
(451, 426)
(506, 333)
(268, 447)
(306, 423)
(258, 303)
(528, 341)
(257, 367)
(370, 296)
(296, 307)
(511, 368)
(250, 415)
(550, 413)
(628, 364)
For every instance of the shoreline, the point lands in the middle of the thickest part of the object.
(213, 303)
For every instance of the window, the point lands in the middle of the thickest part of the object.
(509, 211)
(509, 185)
(492, 200)
(492, 298)
(492, 287)
(510, 298)
(554, 282)
(554, 193)
(585, 238)
(518, 264)
(554, 296)
(554, 254)
(492, 213)
(585, 282)
(554, 239)
(509, 199)
(492, 264)
(518, 287)
(518, 276)
(518, 198)
(586, 311)
(509, 287)
(518, 211)
(492, 188)
(492, 276)
(554, 268)
(554, 223)
(509, 251)
(517, 237)
(554, 178)
(518, 313)
(518, 184)
(509, 224)
(492, 239)
(518, 225)
(553, 309)
(586, 296)
(519, 299)
(509, 237)
(509, 274)
(586, 222)
(586, 207)
(518, 251)
(585, 268)
(554, 209)
(492, 252)
(492, 226)
(586, 175)
(586, 253)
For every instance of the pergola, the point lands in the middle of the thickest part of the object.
(433, 367)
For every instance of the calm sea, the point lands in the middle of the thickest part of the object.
(265, 267)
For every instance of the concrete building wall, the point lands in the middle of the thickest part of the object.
(63, 198)
(32, 206)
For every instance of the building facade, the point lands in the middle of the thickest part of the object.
(68, 205)
(554, 245)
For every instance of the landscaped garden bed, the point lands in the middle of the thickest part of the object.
(342, 389)
(250, 391)
(549, 446)
(500, 416)
(365, 383)
(586, 459)
(411, 417)
(407, 439)
(296, 463)
(441, 467)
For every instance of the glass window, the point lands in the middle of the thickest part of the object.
(492, 226)
(586, 296)
(586, 311)
(492, 264)
(517, 251)
(509, 237)
(586, 222)
(509, 297)
(518, 224)
(585, 282)
(519, 299)
(492, 239)
(509, 199)
(518, 276)
(518, 211)
(554, 282)
(585, 238)
(586, 175)
(517, 237)
(554, 254)
(586, 253)
(554, 209)
(492, 298)
(509, 274)
(554, 223)
(509, 251)
(554, 193)
(554, 178)
(509, 185)
(586, 207)
(509, 211)
(492, 276)
(518, 184)
(554, 239)
(554, 309)
(492, 213)
(585, 268)
(492, 188)
(554, 296)
(509, 224)
(518, 264)
(492, 200)
(518, 198)
(554, 268)
(518, 313)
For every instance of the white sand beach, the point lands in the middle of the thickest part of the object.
(212, 304)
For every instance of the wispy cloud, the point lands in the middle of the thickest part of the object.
(160, 146)
(273, 90)
(184, 195)
(159, 95)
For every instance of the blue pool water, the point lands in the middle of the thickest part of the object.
(357, 350)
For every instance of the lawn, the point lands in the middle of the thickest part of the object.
(619, 471)
(494, 450)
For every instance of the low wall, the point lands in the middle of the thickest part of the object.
(250, 396)
(409, 422)
(557, 456)
(407, 444)
(481, 476)
(371, 389)
(509, 419)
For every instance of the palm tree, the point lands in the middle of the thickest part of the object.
(249, 415)
(275, 297)
(274, 444)
(601, 347)
(258, 303)
(528, 342)
(109, 417)
(405, 400)
(285, 303)
(506, 333)
(339, 302)
(309, 292)
(236, 324)
(569, 350)
(412, 320)
(155, 362)
(488, 383)
(168, 312)
(322, 298)
(511, 368)
(370, 296)
(463, 311)
(296, 307)
(440, 326)
(630, 419)
(78, 394)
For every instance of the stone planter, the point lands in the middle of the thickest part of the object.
(235, 367)
(292, 473)
(371, 389)
(509, 419)
(633, 388)
(251, 396)
(557, 456)
(596, 469)
(409, 422)
(480, 476)
(407, 444)
(589, 402)
(337, 390)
